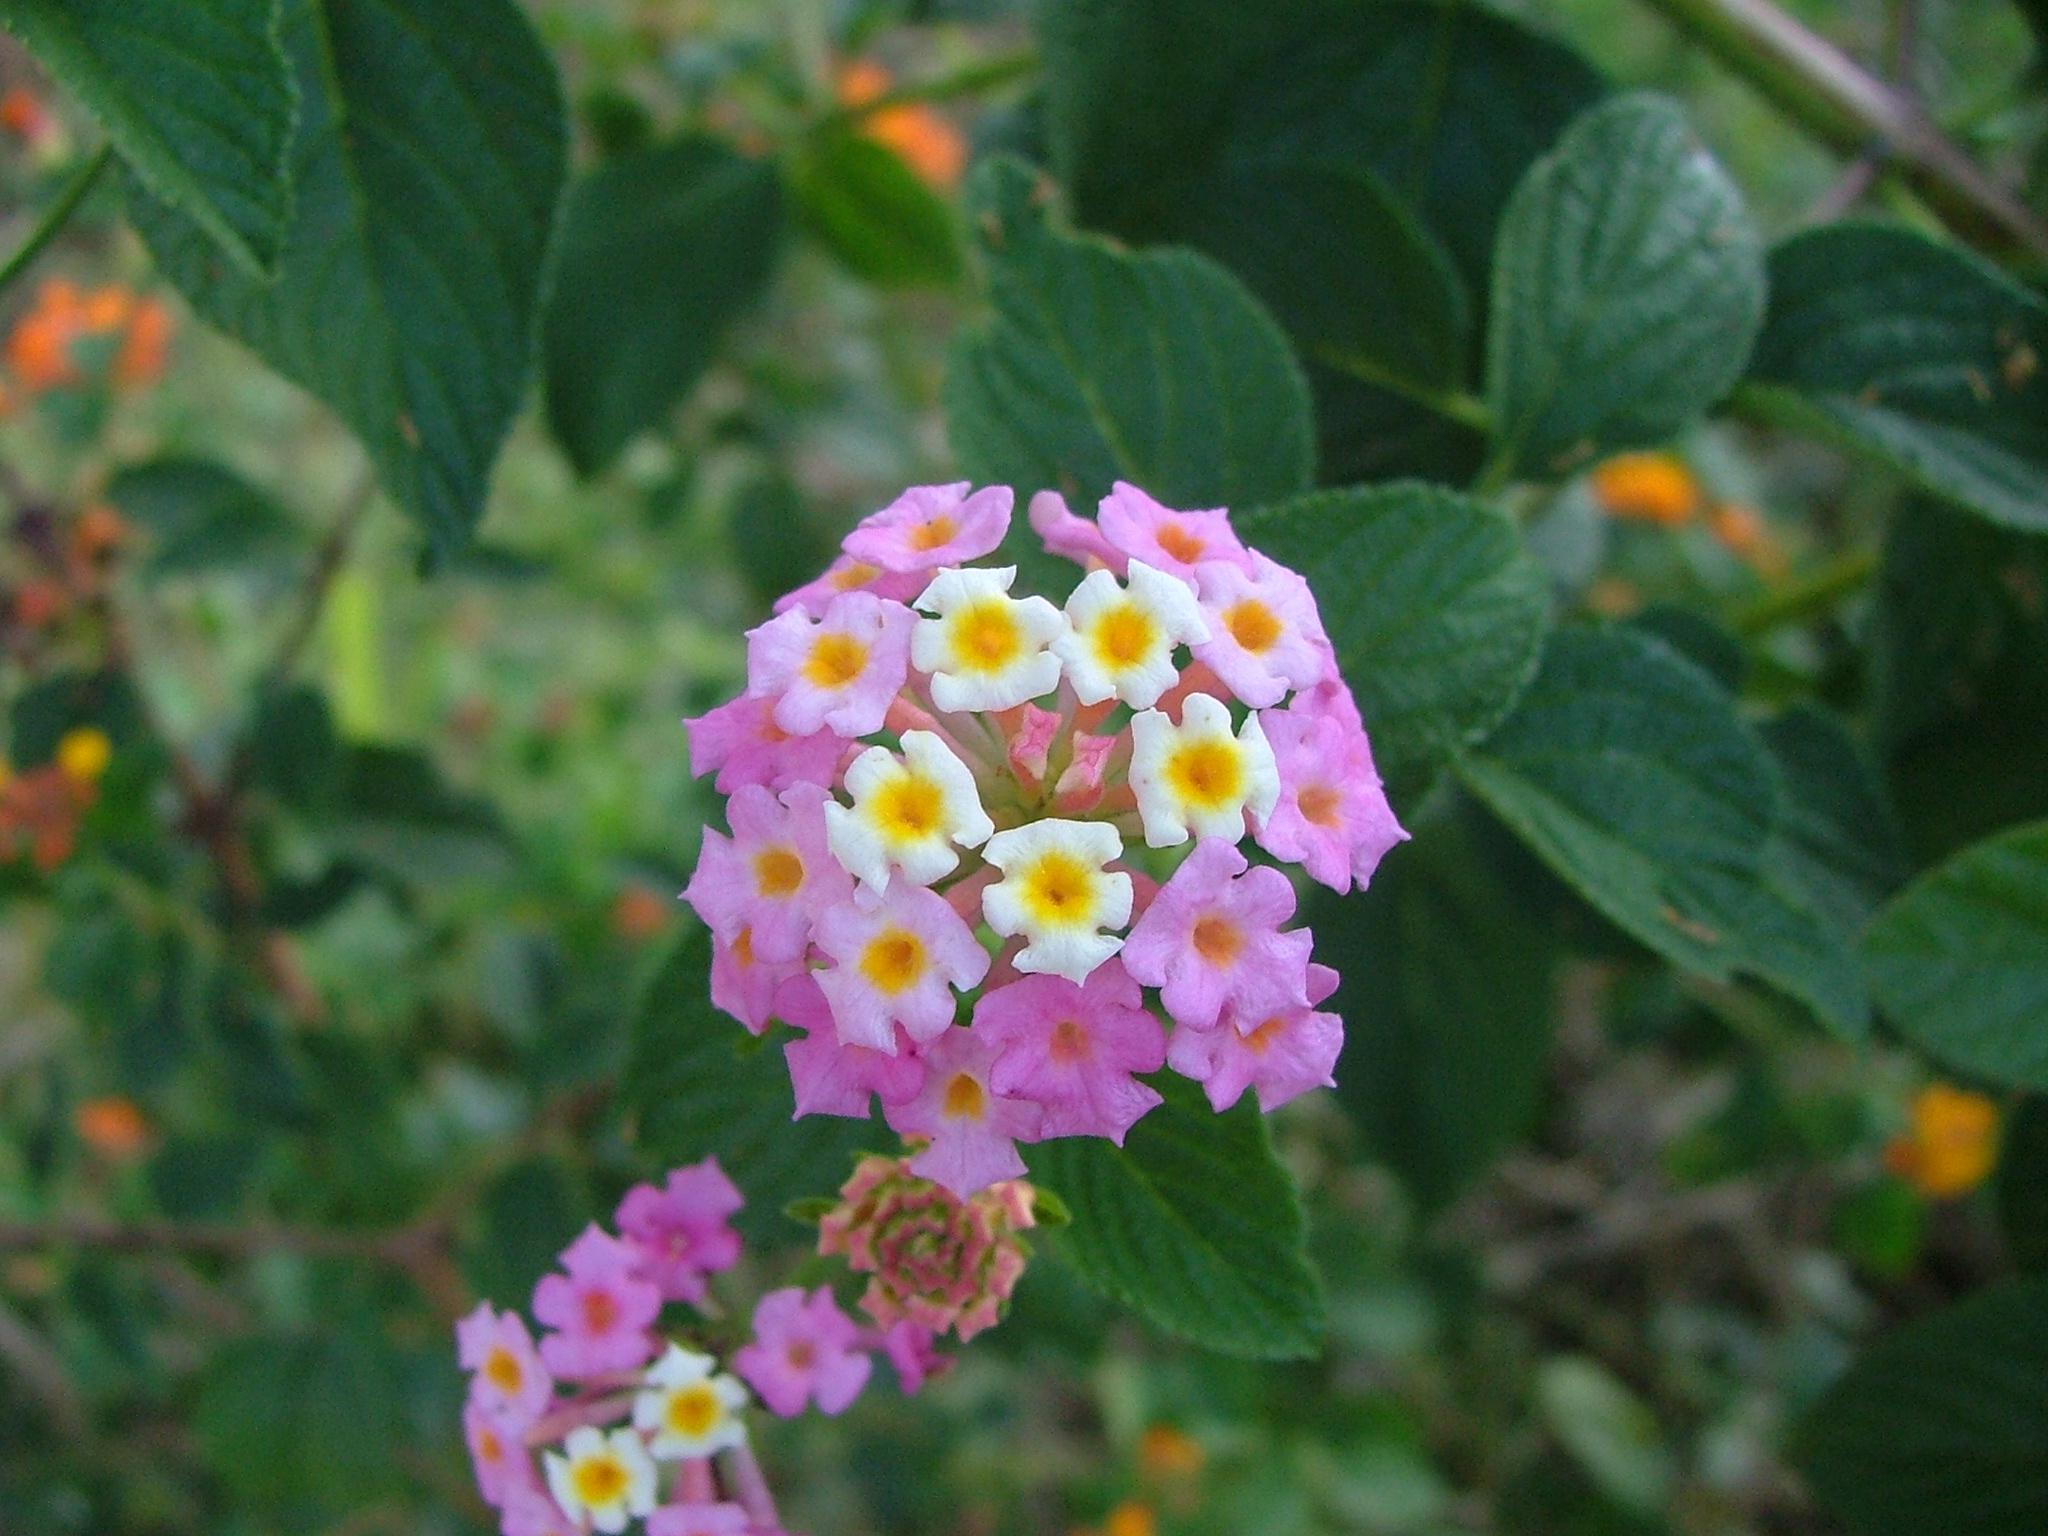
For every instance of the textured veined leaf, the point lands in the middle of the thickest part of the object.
(427, 166)
(662, 249)
(1097, 365)
(1192, 1222)
(1959, 959)
(1435, 607)
(195, 94)
(1628, 286)
(1915, 353)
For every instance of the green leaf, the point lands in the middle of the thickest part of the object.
(1941, 1429)
(1344, 266)
(427, 166)
(1608, 1430)
(1626, 769)
(288, 1420)
(1435, 607)
(662, 249)
(1193, 1223)
(1628, 287)
(1840, 834)
(1959, 959)
(1447, 104)
(1446, 1006)
(1917, 354)
(399, 815)
(872, 211)
(197, 97)
(2023, 1184)
(200, 516)
(1097, 365)
(697, 1086)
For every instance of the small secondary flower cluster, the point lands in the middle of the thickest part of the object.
(948, 800)
(630, 1426)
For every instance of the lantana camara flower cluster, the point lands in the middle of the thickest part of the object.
(984, 847)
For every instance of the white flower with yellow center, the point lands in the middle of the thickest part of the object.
(689, 1408)
(1120, 639)
(1196, 777)
(907, 813)
(602, 1479)
(985, 649)
(1056, 893)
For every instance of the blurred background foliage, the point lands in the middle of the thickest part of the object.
(333, 882)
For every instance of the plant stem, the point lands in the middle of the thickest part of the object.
(1808, 597)
(1839, 102)
(56, 215)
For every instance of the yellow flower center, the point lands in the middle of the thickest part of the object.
(488, 1446)
(964, 1098)
(930, 535)
(599, 1311)
(1185, 547)
(1253, 625)
(1207, 773)
(907, 809)
(1123, 636)
(743, 947)
(893, 961)
(853, 577)
(1218, 940)
(1260, 1040)
(1320, 804)
(985, 637)
(1060, 889)
(694, 1411)
(502, 1370)
(777, 872)
(599, 1480)
(835, 661)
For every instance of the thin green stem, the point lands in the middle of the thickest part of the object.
(1811, 595)
(1468, 410)
(56, 215)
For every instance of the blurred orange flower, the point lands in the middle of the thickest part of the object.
(39, 814)
(44, 353)
(1950, 1144)
(1647, 488)
(639, 914)
(1165, 1452)
(927, 142)
(23, 114)
(112, 1126)
(1744, 533)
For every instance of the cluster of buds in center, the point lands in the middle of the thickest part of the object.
(983, 844)
(628, 1424)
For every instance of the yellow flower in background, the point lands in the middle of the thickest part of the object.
(1950, 1144)
(1647, 488)
(926, 142)
(83, 754)
(1131, 1518)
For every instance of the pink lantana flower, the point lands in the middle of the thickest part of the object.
(531, 1511)
(1211, 939)
(743, 984)
(774, 875)
(509, 1383)
(933, 525)
(1166, 540)
(1332, 815)
(803, 1350)
(1073, 1049)
(913, 1351)
(833, 1078)
(683, 1229)
(837, 673)
(601, 1309)
(742, 744)
(1073, 538)
(972, 1131)
(1281, 1056)
(720, 1519)
(847, 574)
(1265, 636)
(897, 962)
(496, 1454)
